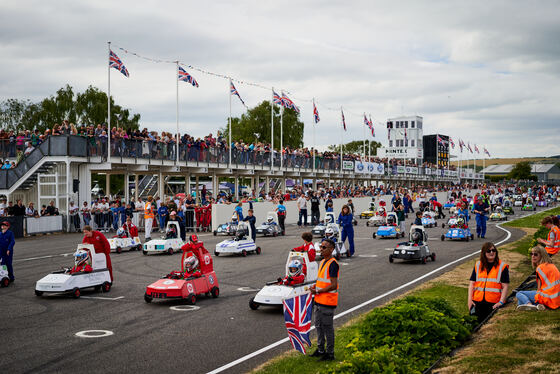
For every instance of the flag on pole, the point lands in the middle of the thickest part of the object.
(371, 127)
(451, 142)
(461, 144)
(440, 140)
(289, 103)
(277, 98)
(115, 62)
(469, 147)
(366, 121)
(486, 151)
(297, 316)
(315, 114)
(476, 149)
(343, 120)
(186, 77)
(234, 91)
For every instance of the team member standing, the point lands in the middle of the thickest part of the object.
(281, 212)
(302, 207)
(548, 284)
(326, 300)
(489, 282)
(552, 244)
(252, 220)
(100, 244)
(148, 219)
(345, 219)
(7, 242)
(315, 213)
(481, 209)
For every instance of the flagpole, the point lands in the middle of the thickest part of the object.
(483, 162)
(229, 120)
(314, 124)
(272, 131)
(437, 156)
(341, 142)
(281, 135)
(177, 108)
(364, 140)
(109, 104)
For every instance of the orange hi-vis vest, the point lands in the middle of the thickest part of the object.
(148, 211)
(487, 286)
(549, 293)
(555, 242)
(329, 298)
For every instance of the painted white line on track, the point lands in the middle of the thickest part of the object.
(94, 333)
(103, 298)
(367, 255)
(353, 309)
(43, 257)
(247, 289)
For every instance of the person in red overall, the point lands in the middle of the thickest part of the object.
(100, 244)
(307, 246)
(296, 274)
(81, 265)
(130, 228)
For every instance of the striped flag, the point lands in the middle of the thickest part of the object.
(277, 99)
(297, 316)
(486, 151)
(440, 140)
(469, 147)
(343, 120)
(315, 114)
(476, 149)
(371, 127)
(186, 77)
(234, 91)
(287, 103)
(115, 62)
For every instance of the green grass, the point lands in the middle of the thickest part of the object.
(455, 295)
(533, 221)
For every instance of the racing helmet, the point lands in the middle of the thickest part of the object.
(380, 210)
(328, 219)
(190, 263)
(391, 220)
(80, 256)
(234, 218)
(416, 237)
(270, 219)
(171, 231)
(193, 238)
(120, 232)
(329, 232)
(460, 221)
(295, 268)
(241, 232)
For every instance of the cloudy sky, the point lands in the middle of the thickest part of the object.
(486, 72)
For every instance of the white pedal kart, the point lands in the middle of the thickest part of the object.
(165, 245)
(429, 219)
(242, 244)
(379, 219)
(273, 294)
(4, 279)
(329, 222)
(118, 244)
(64, 282)
(339, 250)
(270, 227)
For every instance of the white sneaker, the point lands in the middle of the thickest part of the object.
(530, 307)
(541, 307)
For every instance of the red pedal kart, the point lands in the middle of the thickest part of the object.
(183, 285)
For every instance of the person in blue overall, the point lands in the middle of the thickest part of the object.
(163, 212)
(115, 215)
(7, 242)
(345, 220)
(481, 209)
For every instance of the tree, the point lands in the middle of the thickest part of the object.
(356, 146)
(255, 126)
(521, 170)
(91, 109)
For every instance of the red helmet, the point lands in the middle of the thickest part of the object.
(193, 238)
(5, 223)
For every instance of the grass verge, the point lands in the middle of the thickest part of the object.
(534, 220)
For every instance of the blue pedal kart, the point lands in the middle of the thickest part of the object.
(459, 231)
(389, 230)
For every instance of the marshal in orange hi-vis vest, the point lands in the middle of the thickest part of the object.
(549, 293)
(323, 280)
(148, 213)
(555, 241)
(487, 286)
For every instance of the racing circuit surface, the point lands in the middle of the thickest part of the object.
(39, 333)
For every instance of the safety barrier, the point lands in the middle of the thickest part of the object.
(44, 224)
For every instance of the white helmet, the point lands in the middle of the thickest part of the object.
(120, 232)
(328, 219)
(270, 219)
(190, 263)
(234, 218)
(80, 256)
(295, 268)
(460, 221)
(391, 220)
(329, 232)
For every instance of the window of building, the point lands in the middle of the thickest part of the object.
(419, 142)
(397, 124)
(412, 142)
(406, 124)
(419, 123)
(411, 124)
(406, 143)
(390, 143)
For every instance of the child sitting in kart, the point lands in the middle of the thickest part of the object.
(329, 234)
(81, 265)
(307, 246)
(171, 232)
(391, 221)
(130, 228)
(121, 233)
(296, 274)
(190, 266)
(460, 224)
(417, 238)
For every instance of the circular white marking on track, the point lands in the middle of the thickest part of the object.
(247, 289)
(184, 308)
(94, 333)
(367, 255)
(344, 263)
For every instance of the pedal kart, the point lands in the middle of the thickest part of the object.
(242, 244)
(450, 222)
(119, 242)
(273, 293)
(270, 227)
(227, 228)
(542, 203)
(507, 207)
(4, 279)
(498, 214)
(64, 282)
(379, 219)
(174, 286)
(448, 205)
(458, 233)
(339, 250)
(390, 229)
(170, 242)
(518, 200)
(529, 205)
(429, 219)
(368, 213)
(329, 221)
(416, 249)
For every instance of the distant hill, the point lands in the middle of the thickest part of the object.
(501, 161)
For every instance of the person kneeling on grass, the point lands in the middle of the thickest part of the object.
(547, 294)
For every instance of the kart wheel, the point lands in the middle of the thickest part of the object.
(472, 237)
(442, 237)
(275, 234)
(145, 253)
(5, 282)
(216, 254)
(443, 225)
(147, 298)
(119, 250)
(433, 256)
(337, 256)
(191, 299)
(367, 224)
(253, 305)
(467, 238)
(423, 260)
(258, 250)
(76, 293)
(215, 233)
(106, 286)
(215, 291)
(244, 253)
(139, 247)
(37, 292)
(170, 251)
(391, 258)
(374, 235)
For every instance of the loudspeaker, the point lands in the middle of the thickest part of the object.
(75, 185)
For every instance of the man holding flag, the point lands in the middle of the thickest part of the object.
(326, 300)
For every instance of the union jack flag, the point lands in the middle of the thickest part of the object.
(186, 77)
(486, 151)
(451, 142)
(343, 120)
(277, 99)
(289, 103)
(115, 62)
(371, 127)
(366, 121)
(440, 140)
(469, 147)
(297, 315)
(476, 149)
(461, 145)
(233, 91)
(316, 114)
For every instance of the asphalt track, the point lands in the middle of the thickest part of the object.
(39, 333)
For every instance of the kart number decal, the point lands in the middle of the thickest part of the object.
(211, 279)
(207, 260)
(190, 288)
(169, 281)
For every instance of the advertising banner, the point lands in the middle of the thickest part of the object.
(347, 165)
(401, 169)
